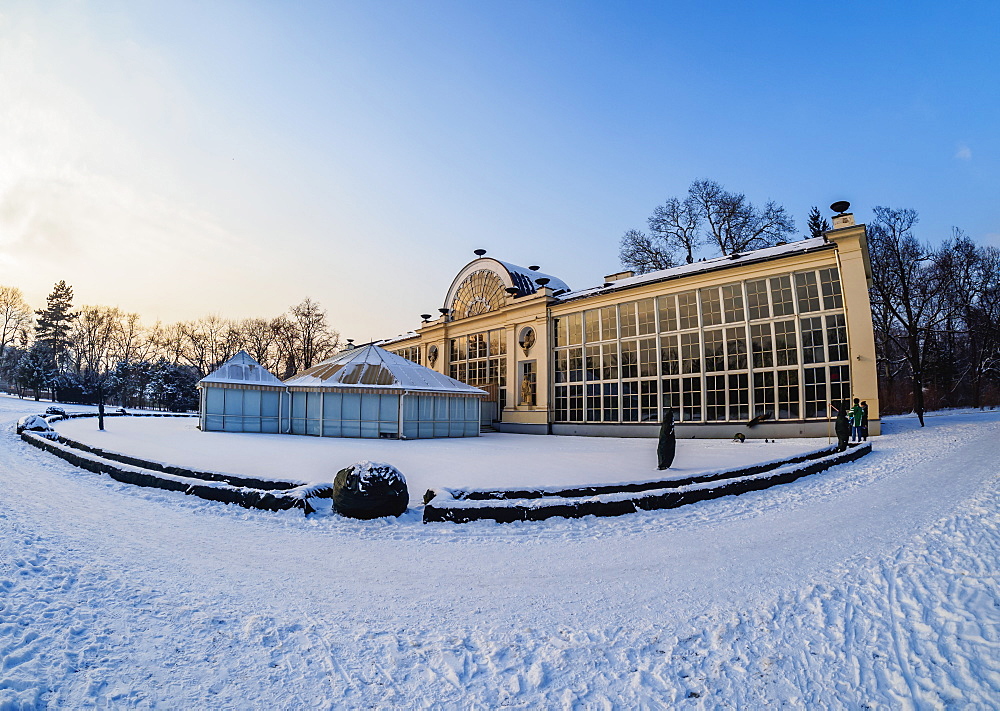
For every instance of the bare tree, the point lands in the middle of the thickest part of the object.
(734, 224)
(908, 287)
(95, 343)
(15, 318)
(678, 224)
(316, 340)
(643, 253)
(709, 214)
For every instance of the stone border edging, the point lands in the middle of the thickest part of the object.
(232, 479)
(444, 508)
(212, 491)
(598, 489)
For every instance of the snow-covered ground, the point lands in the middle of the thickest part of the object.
(490, 461)
(872, 585)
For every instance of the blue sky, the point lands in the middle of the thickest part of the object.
(184, 158)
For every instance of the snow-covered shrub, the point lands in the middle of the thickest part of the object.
(37, 424)
(370, 490)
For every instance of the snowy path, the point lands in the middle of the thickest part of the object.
(873, 584)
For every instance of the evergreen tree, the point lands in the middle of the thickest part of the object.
(35, 370)
(52, 327)
(818, 224)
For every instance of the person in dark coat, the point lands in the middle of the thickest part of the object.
(668, 441)
(864, 421)
(842, 426)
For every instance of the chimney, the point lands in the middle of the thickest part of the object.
(619, 275)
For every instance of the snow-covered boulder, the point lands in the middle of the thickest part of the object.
(54, 410)
(37, 424)
(370, 490)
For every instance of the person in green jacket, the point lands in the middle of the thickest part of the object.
(856, 416)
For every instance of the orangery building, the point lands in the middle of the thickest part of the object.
(760, 343)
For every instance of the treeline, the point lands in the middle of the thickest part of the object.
(102, 354)
(936, 314)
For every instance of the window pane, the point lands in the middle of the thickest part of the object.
(668, 313)
(575, 365)
(627, 320)
(594, 402)
(562, 366)
(690, 353)
(592, 325)
(736, 348)
(672, 396)
(630, 359)
(687, 310)
(647, 316)
(610, 404)
(575, 328)
(669, 357)
(732, 302)
(781, 296)
(763, 393)
(649, 410)
(609, 323)
(711, 307)
(812, 340)
(814, 389)
(691, 399)
(830, 283)
(757, 299)
(576, 403)
(840, 383)
(714, 351)
(761, 345)
(715, 397)
(807, 290)
(609, 361)
(836, 337)
(785, 343)
(630, 402)
(647, 358)
(788, 394)
(592, 363)
(739, 397)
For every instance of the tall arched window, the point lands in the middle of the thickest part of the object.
(482, 291)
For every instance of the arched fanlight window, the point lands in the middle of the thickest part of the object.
(481, 292)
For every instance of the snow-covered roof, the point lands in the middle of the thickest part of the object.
(395, 339)
(757, 255)
(374, 367)
(241, 368)
(524, 279)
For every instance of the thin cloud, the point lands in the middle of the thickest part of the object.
(963, 152)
